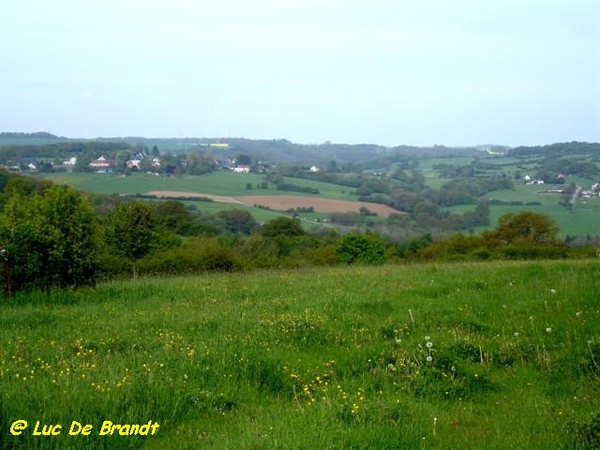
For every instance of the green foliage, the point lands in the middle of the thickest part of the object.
(176, 218)
(244, 160)
(51, 240)
(133, 229)
(238, 221)
(586, 431)
(71, 230)
(347, 219)
(361, 248)
(282, 226)
(524, 227)
(295, 188)
(195, 255)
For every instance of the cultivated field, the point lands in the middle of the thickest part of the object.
(460, 356)
(285, 202)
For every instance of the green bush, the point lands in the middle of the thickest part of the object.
(196, 255)
(361, 248)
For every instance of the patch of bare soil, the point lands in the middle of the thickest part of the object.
(323, 205)
(285, 202)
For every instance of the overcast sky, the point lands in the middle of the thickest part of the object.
(389, 72)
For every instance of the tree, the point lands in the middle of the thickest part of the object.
(50, 239)
(176, 218)
(282, 226)
(524, 227)
(134, 230)
(361, 248)
(71, 230)
(243, 160)
(200, 163)
(238, 221)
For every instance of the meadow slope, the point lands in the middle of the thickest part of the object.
(463, 356)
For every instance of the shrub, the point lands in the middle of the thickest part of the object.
(194, 256)
(361, 248)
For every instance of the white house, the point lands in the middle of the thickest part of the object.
(133, 163)
(102, 163)
(241, 169)
(314, 168)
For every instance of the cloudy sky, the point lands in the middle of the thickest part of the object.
(389, 72)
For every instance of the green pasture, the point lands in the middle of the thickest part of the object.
(444, 356)
(582, 220)
(217, 183)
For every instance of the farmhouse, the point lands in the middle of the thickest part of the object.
(531, 181)
(241, 169)
(102, 163)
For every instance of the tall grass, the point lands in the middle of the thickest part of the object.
(495, 356)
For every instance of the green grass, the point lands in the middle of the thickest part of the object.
(219, 183)
(323, 358)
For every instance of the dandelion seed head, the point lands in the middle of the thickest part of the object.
(516, 334)
(429, 359)
(548, 330)
(429, 344)
(426, 338)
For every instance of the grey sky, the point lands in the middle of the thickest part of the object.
(458, 72)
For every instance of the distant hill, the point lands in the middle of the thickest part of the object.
(38, 138)
(269, 150)
(558, 150)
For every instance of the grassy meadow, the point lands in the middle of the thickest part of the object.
(458, 356)
(222, 182)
